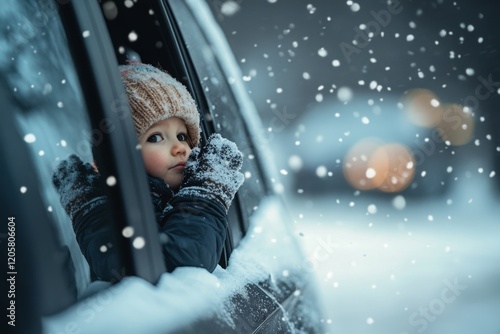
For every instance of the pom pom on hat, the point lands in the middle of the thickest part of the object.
(154, 95)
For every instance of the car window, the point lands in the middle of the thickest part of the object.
(50, 113)
(52, 116)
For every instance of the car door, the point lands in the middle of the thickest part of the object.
(62, 92)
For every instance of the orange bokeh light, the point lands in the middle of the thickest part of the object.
(423, 107)
(356, 165)
(399, 163)
(371, 164)
(457, 125)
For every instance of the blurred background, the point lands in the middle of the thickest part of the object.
(383, 117)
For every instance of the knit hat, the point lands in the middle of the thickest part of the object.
(154, 96)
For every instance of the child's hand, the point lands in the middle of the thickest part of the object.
(161, 193)
(77, 183)
(213, 172)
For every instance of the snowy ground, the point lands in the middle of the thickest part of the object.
(428, 268)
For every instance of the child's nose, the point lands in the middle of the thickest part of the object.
(178, 148)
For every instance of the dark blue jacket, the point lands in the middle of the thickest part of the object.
(193, 231)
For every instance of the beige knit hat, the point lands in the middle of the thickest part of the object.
(154, 96)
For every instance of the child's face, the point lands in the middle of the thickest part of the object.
(165, 150)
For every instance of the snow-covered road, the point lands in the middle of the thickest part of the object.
(427, 268)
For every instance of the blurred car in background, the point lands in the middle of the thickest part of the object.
(380, 145)
(61, 94)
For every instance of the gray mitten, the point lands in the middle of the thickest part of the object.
(213, 172)
(78, 184)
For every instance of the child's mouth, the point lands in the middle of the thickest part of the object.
(180, 165)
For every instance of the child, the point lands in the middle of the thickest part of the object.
(191, 188)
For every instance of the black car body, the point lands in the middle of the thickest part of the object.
(61, 93)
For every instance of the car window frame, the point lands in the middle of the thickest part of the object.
(91, 46)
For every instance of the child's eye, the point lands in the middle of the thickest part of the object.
(154, 138)
(182, 137)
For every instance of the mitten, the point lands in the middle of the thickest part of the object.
(161, 193)
(80, 187)
(213, 172)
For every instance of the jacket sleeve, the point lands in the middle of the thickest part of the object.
(195, 230)
(94, 234)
